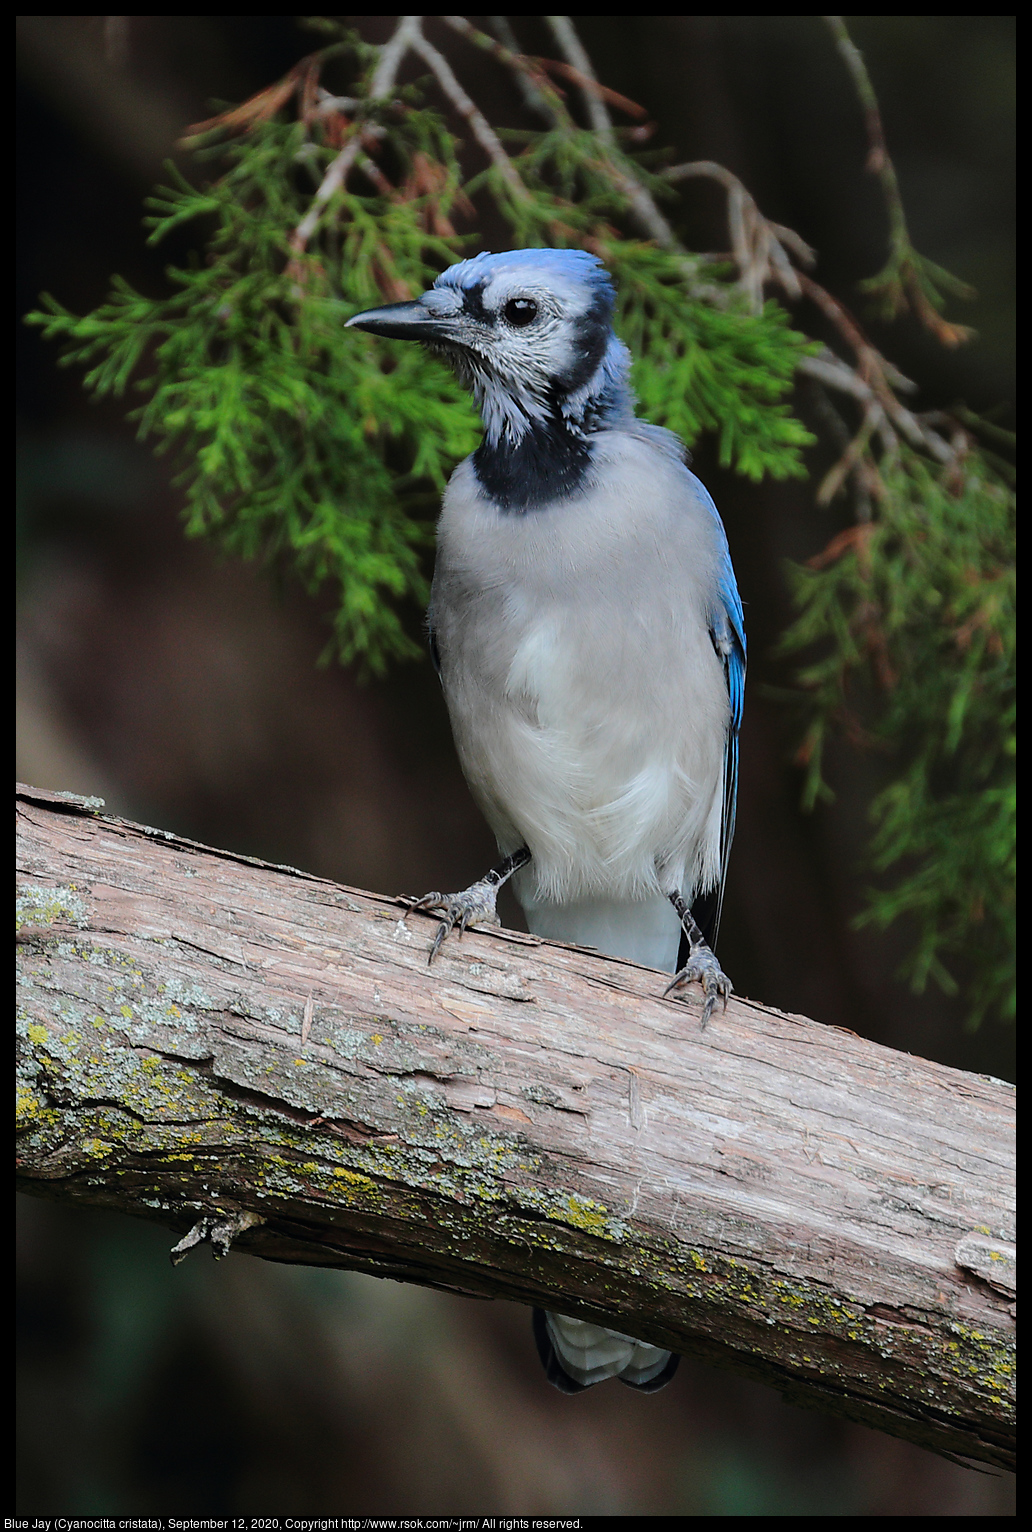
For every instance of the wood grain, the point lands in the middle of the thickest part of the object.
(263, 1056)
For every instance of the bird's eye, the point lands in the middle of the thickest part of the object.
(520, 311)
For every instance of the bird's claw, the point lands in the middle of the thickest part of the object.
(703, 968)
(473, 906)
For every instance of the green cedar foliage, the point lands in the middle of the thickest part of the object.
(708, 367)
(913, 618)
(300, 443)
(325, 451)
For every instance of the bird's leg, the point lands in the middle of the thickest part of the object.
(701, 966)
(475, 905)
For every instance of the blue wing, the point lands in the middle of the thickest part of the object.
(727, 630)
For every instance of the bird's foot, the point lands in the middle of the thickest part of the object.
(474, 906)
(702, 968)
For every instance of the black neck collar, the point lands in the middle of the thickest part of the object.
(549, 463)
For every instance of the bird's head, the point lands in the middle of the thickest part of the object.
(530, 333)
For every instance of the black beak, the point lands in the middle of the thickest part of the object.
(403, 321)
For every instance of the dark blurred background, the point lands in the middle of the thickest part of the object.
(184, 690)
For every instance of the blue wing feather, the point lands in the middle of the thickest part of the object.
(727, 630)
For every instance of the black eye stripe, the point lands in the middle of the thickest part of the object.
(473, 302)
(520, 312)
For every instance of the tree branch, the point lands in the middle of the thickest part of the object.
(247, 1053)
(383, 82)
(464, 104)
(758, 248)
(908, 279)
(575, 54)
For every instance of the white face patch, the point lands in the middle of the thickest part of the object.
(521, 373)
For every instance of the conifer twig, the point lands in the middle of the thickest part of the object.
(574, 53)
(908, 280)
(757, 245)
(391, 55)
(481, 129)
(336, 173)
(536, 98)
(532, 81)
(619, 170)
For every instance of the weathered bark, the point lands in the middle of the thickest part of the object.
(254, 1054)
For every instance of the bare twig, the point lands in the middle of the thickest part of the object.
(481, 129)
(620, 171)
(574, 53)
(757, 245)
(878, 159)
(531, 79)
(611, 163)
(394, 50)
(834, 373)
(835, 428)
(331, 183)
(760, 251)
(408, 35)
(908, 279)
(336, 172)
(643, 206)
(328, 104)
(535, 98)
(872, 370)
(853, 461)
(593, 87)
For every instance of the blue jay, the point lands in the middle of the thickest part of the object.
(587, 628)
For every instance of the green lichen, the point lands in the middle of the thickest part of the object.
(585, 1214)
(31, 1111)
(352, 1176)
(37, 906)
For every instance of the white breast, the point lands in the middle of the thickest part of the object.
(588, 705)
